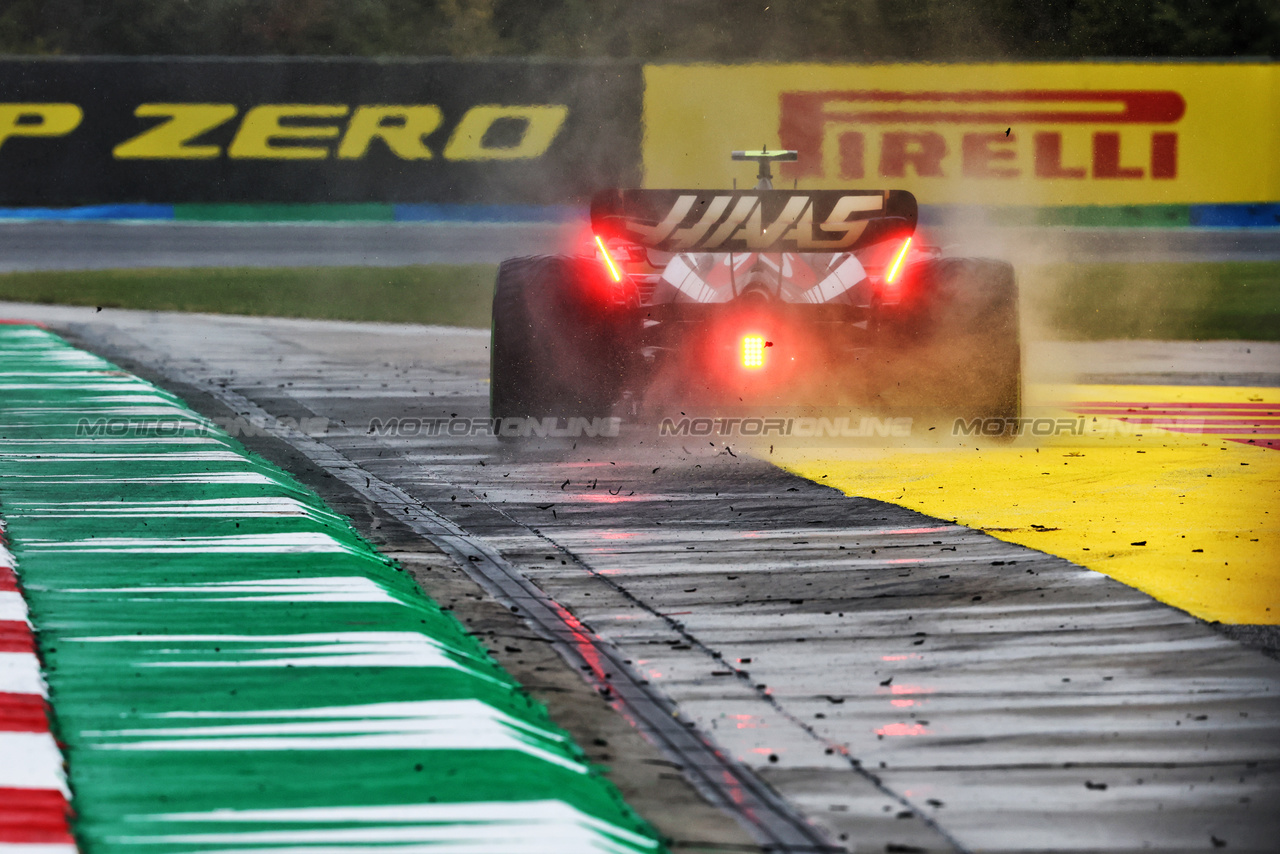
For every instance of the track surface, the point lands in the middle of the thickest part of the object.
(107, 245)
(900, 680)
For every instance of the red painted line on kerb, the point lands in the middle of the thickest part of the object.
(1113, 406)
(1158, 420)
(1247, 423)
(33, 798)
(1217, 412)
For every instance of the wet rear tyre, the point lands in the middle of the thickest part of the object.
(953, 347)
(556, 349)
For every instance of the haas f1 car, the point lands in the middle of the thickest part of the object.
(720, 300)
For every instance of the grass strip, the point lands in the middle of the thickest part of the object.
(453, 295)
(1168, 301)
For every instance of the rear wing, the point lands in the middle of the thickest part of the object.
(753, 220)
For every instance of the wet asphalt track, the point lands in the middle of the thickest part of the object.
(902, 682)
(112, 245)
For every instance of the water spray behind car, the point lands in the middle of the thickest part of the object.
(736, 302)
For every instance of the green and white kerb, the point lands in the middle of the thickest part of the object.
(232, 668)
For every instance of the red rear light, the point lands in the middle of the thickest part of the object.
(608, 260)
(896, 265)
(753, 351)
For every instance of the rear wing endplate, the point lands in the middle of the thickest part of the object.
(754, 220)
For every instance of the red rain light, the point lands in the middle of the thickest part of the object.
(752, 351)
(896, 266)
(608, 260)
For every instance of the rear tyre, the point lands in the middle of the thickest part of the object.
(556, 347)
(952, 347)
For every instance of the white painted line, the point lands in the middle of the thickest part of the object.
(305, 542)
(329, 589)
(204, 478)
(100, 441)
(339, 649)
(401, 709)
(100, 385)
(374, 717)
(519, 827)
(166, 410)
(218, 508)
(491, 731)
(175, 456)
(94, 404)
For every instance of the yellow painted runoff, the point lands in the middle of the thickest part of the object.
(1191, 518)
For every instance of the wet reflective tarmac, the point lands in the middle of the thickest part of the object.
(898, 679)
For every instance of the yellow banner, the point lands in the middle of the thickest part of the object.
(999, 134)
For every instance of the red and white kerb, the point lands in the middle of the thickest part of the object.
(33, 789)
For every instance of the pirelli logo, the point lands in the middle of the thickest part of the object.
(984, 134)
(692, 220)
(198, 131)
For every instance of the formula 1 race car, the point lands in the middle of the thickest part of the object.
(726, 299)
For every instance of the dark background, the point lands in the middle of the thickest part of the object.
(663, 30)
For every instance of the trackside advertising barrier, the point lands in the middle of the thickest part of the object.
(1041, 135)
(1154, 137)
(90, 131)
